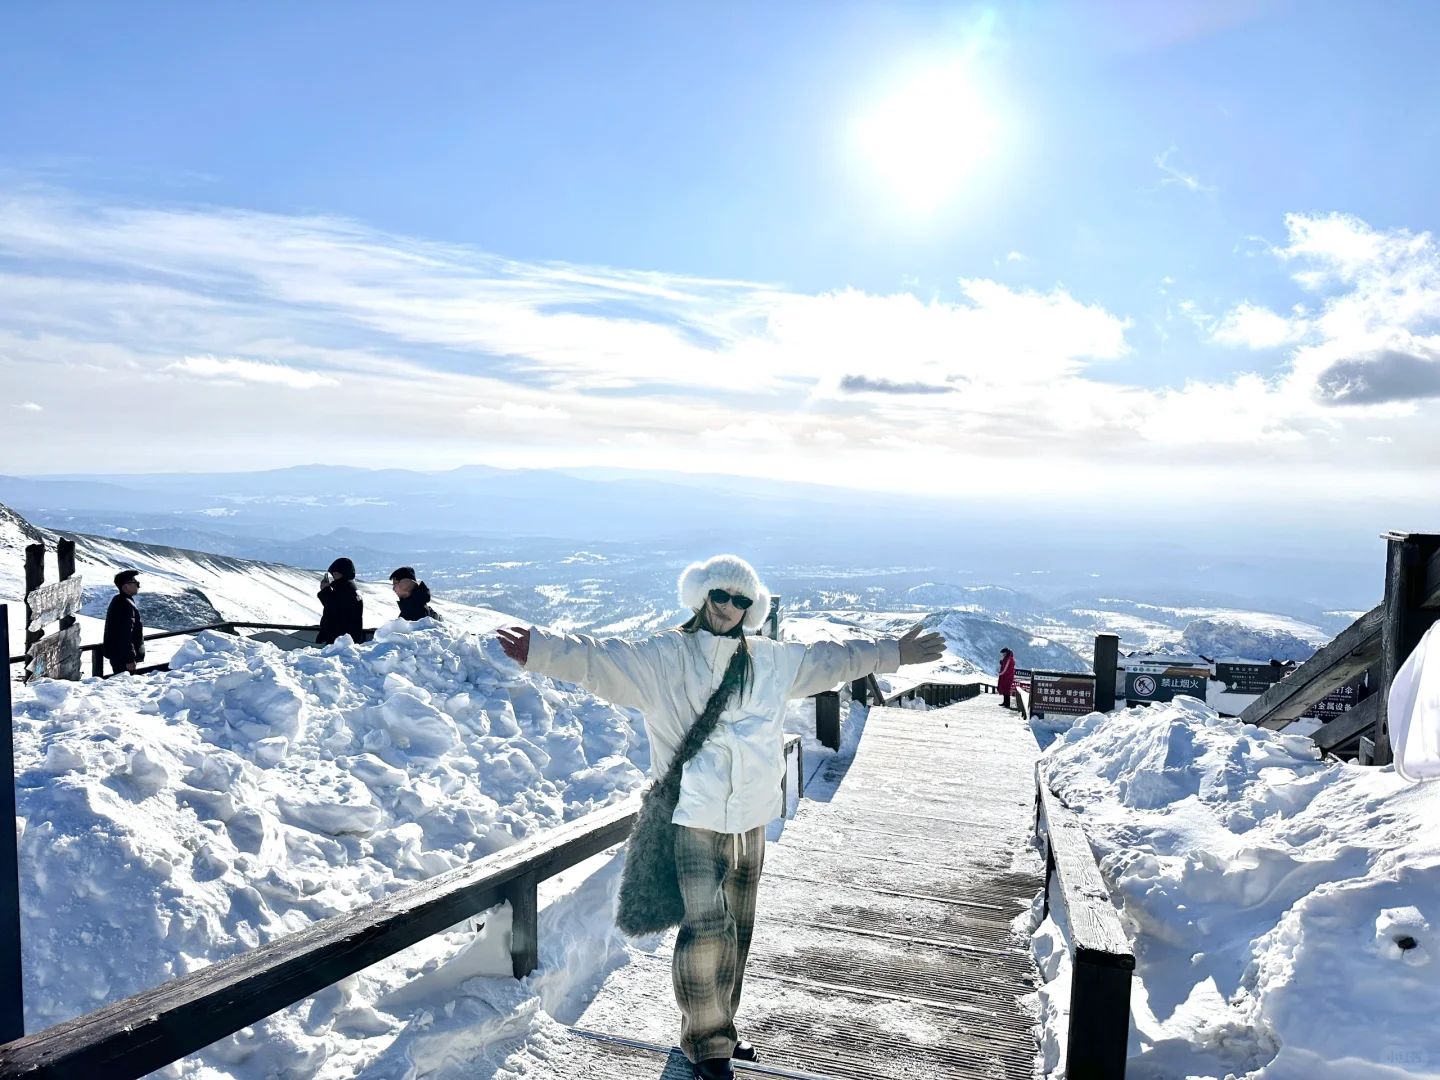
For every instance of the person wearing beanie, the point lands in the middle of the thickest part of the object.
(342, 609)
(124, 641)
(413, 596)
(730, 788)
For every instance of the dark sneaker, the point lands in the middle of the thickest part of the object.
(714, 1069)
(745, 1051)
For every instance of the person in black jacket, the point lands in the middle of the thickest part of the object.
(344, 611)
(124, 641)
(414, 596)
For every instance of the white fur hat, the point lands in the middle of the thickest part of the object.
(734, 575)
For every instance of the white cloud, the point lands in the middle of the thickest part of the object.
(650, 368)
(212, 367)
(28, 406)
(520, 411)
(1252, 327)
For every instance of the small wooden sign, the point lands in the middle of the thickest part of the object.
(56, 656)
(53, 602)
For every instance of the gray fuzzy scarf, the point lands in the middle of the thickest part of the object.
(650, 899)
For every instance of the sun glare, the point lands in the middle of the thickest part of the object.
(927, 138)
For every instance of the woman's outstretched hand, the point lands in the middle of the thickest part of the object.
(516, 642)
(915, 647)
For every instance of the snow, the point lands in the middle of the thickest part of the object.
(1268, 895)
(1223, 639)
(172, 820)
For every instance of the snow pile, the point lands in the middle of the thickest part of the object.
(1285, 912)
(1220, 639)
(167, 822)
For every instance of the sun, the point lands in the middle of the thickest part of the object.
(926, 139)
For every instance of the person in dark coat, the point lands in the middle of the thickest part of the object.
(414, 596)
(1005, 684)
(124, 641)
(344, 611)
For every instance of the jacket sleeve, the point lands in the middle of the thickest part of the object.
(825, 664)
(625, 672)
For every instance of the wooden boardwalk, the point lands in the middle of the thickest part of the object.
(883, 945)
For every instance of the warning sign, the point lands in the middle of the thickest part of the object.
(1061, 693)
(1163, 682)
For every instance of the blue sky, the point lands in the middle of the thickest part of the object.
(843, 242)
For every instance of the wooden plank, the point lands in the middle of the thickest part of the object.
(65, 560)
(1407, 557)
(1353, 650)
(56, 656)
(133, 1037)
(53, 602)
(1430, 589)
(1095, 930)
(1103, 960)
(1346, 726)
(34, 578)
(12, 1002)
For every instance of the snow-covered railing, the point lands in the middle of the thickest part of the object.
(1101, 957)
(97, 658)
(141, 1033)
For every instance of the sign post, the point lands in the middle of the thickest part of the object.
(1106, 660)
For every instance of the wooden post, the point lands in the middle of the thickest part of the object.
(1405, 622)
(1099, 1019)
(860, 691)
(12, 999)
(65, 559)
(524, 897)
(34, 578)
(1107, 659)
(97, 663)
(827, 719)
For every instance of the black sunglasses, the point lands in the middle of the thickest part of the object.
(720, 596)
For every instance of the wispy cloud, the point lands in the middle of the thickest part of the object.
(28, 406)
(1172, 175)
(456, 354)
(211, 367)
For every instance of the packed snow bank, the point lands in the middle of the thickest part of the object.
(169, 821)
(1285, 912)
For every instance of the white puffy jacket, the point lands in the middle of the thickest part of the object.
(733, 784)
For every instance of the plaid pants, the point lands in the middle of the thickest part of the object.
(719, 878)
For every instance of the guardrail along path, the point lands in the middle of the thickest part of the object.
(883, 946)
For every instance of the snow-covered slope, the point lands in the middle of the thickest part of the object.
(1283, 909)
(171, 820)
(181, 588)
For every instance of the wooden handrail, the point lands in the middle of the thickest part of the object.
(146, 1031)
(229, 626)
(1101, 957)
(1353, 650)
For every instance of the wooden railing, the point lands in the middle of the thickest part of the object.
(148, 1030)
(1101, 958)
(231, 626)
(1378, 642)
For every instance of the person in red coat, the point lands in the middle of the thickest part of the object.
(1005, 684)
